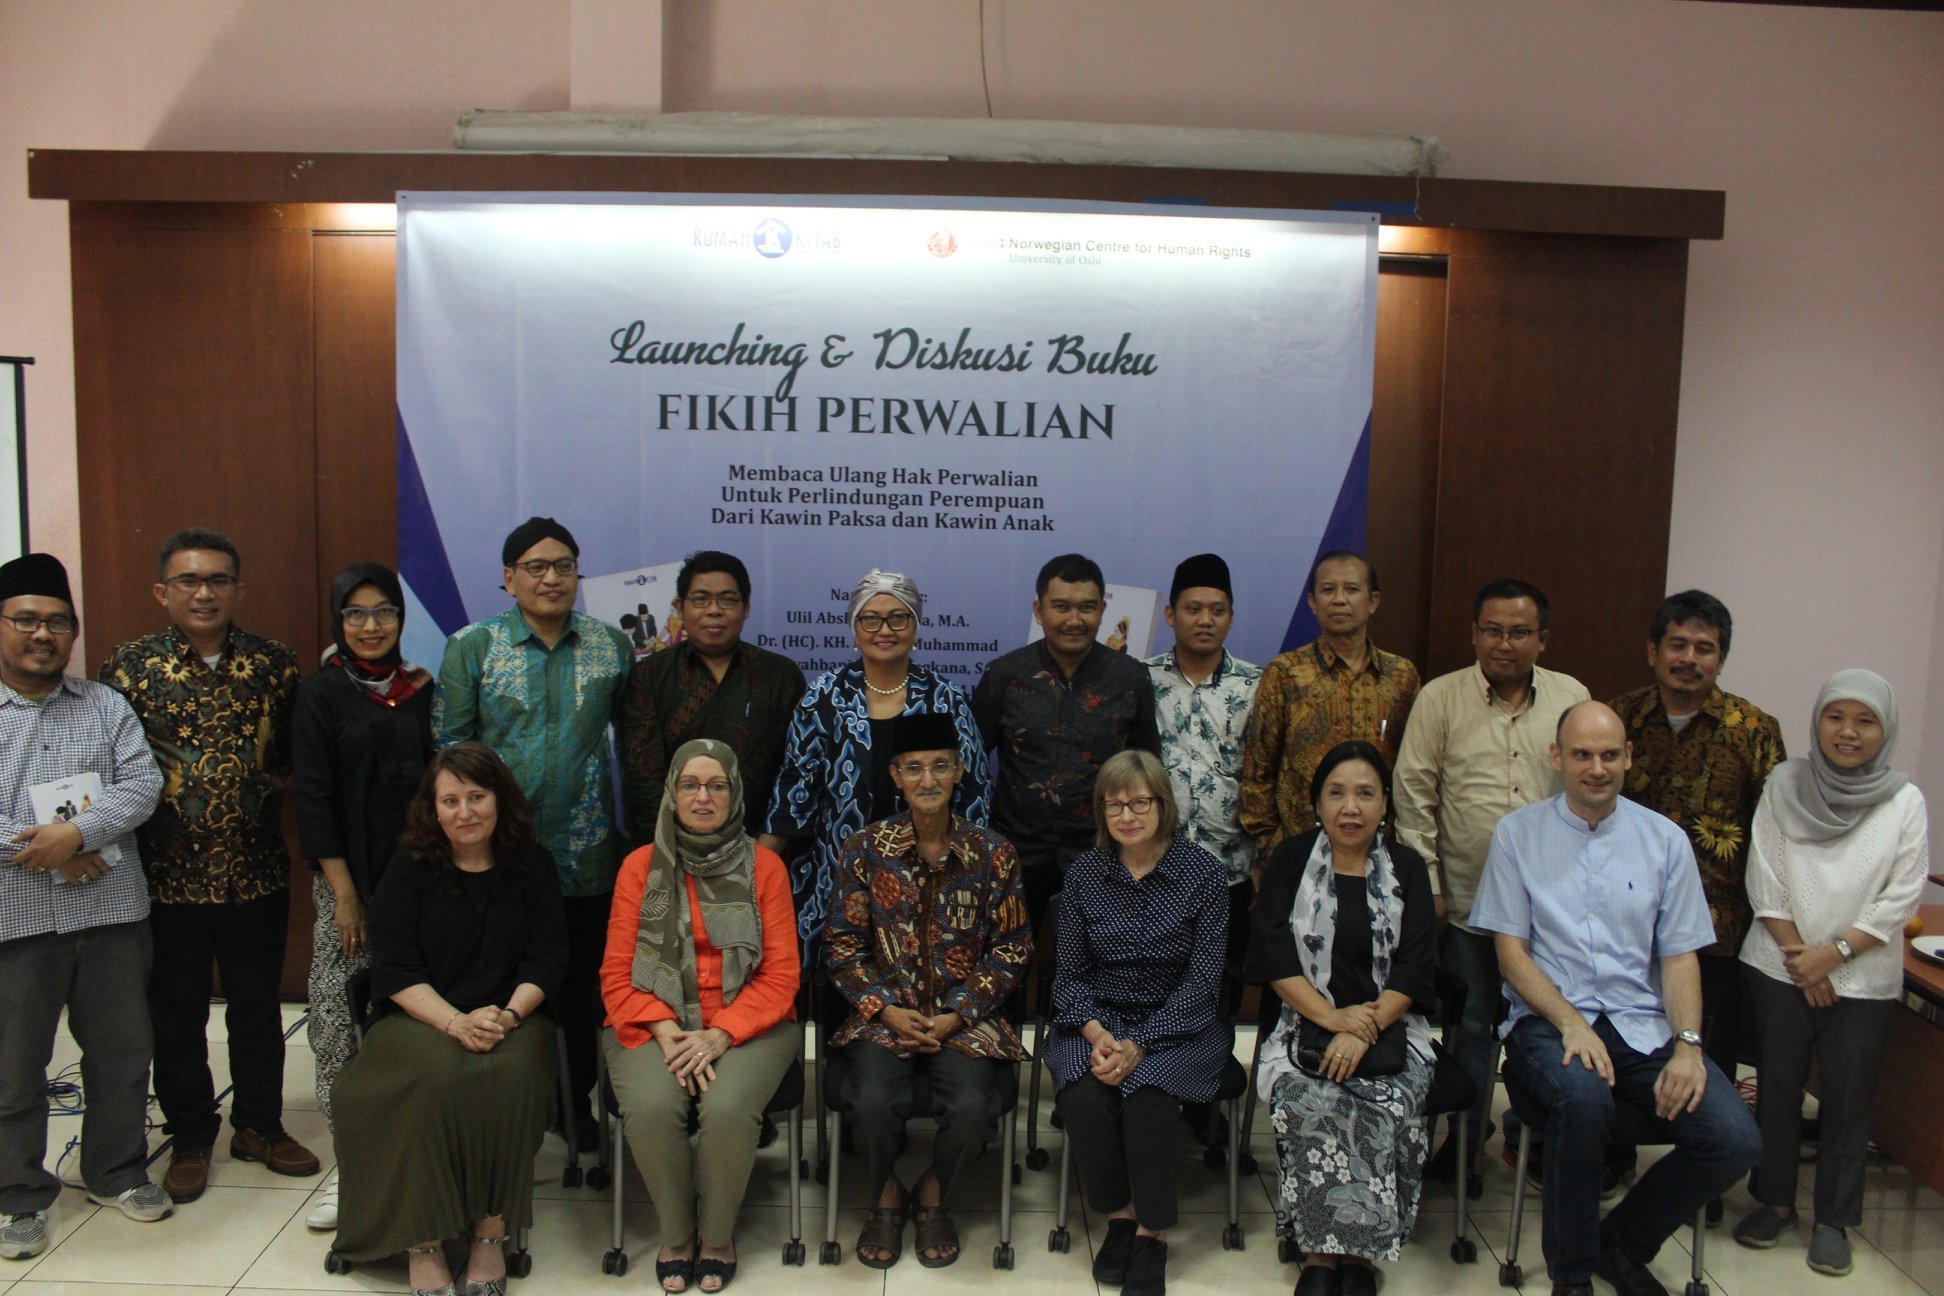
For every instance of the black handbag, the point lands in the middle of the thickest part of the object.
(1384, 1058)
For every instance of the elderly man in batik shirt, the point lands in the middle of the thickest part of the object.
(1700, 757)
(928, 936)
(1202, 696)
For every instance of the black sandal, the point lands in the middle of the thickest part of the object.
(683, 1268)
(884, 1230)
(936, 1232)
(724, 1271)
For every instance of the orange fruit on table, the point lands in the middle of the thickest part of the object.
(1915, 927)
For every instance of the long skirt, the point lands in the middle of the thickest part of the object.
(1352, 1160)
(431, 1138)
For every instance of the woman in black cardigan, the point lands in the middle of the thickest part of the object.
(360, 739)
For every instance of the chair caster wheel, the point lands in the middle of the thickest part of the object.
(1215, 1158)
(1232, 1238)
(823, 1173)
(1511, 1275)
(1002, 1256)
(570, 1177)
(1059, 1241)
(1018, 1175)
(520, 1264)
(599, 1178)
(615, 1262)
(1036, 1158)
(793, 1253)
(803, 1167)
(335, 1263)
(1246, 1163)
(1286, 1251)
(1474, 1186)
(830, 1253)
(1464, 1251)
(1697, 1289)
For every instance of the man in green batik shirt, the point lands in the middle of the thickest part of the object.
(541, 684)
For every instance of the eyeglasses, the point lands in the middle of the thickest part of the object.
(539, 567)
(1136, 806)
(383, 615)
(56, 624)
(1516, 635)
(189, 582)
(895, 622)
(716, 788)
(938, 769)
(700, 601)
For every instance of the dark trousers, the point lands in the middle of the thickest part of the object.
(1714, 1145)
(1724, 1014)
(577, 1003)
(97, 974)
(1845, 1041)
(879, 1090)
(245, 941)
(1241, 897)
(1472, 959)
(1127, 1148)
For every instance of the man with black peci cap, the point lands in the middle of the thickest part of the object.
(78, 778)
(541, 684)
(928, 935)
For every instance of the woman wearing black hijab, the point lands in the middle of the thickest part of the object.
(360, 740)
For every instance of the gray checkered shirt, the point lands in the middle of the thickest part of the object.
(80, 726)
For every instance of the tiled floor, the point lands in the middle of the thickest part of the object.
(247, 1235)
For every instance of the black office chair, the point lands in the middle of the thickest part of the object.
(787, 1100)
(1629, 1126)
(519, 1262)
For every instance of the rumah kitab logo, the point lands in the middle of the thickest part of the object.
(773, 237)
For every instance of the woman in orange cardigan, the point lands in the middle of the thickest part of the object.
(711, 981)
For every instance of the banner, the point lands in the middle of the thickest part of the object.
(958, 391)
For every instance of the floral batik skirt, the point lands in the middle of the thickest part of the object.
(1352, 1158)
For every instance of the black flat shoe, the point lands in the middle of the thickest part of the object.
(723, 1271)
(1356, 1280)
(1147, 1268)
(1110, 1263)
(683, 1268)
(1317, 1280)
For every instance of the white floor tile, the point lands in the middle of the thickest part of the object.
(71, 1210)
(293, 1260)
(30, 1288)
(210, 1242)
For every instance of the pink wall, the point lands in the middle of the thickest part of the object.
(1812, 428)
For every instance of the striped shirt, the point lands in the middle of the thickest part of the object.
(80, 727)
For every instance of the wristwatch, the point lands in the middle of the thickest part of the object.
(1843, 948)
(1689, 1037)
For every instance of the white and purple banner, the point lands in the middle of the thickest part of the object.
(958, 390)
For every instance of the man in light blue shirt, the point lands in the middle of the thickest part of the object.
(1597, 912)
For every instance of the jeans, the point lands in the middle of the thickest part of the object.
(1473, 960)
(1714, 1145)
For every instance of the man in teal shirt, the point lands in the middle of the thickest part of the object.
(541, 684)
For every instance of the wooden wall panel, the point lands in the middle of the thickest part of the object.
(1561, 392)
(356, 483)
(1407, 402)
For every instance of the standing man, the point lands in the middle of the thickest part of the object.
(1338, 689)
(1700, 757)
(711, 685)
(541, 684)
(1055, 710)
(1478, 747)
(1597, 912)
(216, 702)
(73, 912)
(1202, 696)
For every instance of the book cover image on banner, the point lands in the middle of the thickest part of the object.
(958, 390)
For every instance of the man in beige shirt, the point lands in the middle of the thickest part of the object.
(1478, 747)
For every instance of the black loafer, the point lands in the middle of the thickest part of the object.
(1317, 1280)
(1356, 1280)
(1147, 1268)
(1110, 1262)
(1628, 1276)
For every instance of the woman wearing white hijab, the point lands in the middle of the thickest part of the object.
(1838, 856)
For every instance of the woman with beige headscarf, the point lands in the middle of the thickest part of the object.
(702, 962)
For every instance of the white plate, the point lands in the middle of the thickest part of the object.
(1930, 947)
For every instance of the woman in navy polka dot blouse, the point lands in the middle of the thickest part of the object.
(1138, 1027)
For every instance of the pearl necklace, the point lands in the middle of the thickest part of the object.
(888, 692)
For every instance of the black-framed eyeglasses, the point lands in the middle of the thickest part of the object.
(189, 582)
(716, 788)
(56, 624)
(384, 615)
(1516, 635)
(895, 622)
(1134, 805)
(539, 567)
(701, 599)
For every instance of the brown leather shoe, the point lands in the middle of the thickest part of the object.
(280, 1153)
(188, 1173)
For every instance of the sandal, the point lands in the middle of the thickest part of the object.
(936, 1234)
(682, 1267)
(493, 1286)
(723, 1271)
(884, 1231)
(450, 1289)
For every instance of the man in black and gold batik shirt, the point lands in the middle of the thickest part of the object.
(215, 703)
(1700, 757)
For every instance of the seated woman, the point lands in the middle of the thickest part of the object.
(1343, 932)
(1837, 858)
(702, 961)
(928, 935)
(442, 1110)
(1138, 1027)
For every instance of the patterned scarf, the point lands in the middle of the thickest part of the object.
(723, 866)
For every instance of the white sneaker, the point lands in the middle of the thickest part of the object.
(323, 1216)
(145, 1203)
(24, 1236)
